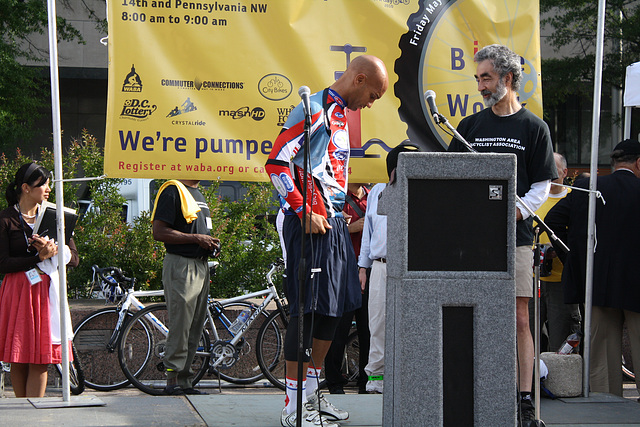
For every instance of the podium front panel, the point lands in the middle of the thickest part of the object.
(457, 225)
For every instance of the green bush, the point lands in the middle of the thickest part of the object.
(249, 242)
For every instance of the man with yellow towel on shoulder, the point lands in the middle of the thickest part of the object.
(182, 221)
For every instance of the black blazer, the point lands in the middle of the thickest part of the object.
(616, 276)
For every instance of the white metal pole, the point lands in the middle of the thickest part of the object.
(57, 156)
(595, 134)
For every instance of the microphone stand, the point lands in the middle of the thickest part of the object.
(536, 316)
(555, 240)
(302, 267)
(586, 190)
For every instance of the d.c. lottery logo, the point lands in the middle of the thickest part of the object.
(137, 109)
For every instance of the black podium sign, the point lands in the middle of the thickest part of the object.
(457, 225)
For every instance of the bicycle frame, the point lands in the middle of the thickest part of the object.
(269, 294)
(131, 301)
(219, 348)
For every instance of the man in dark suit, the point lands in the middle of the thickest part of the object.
(616, 280)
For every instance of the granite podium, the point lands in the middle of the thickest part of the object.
(450, 351)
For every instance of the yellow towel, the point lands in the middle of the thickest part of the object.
(188, 204)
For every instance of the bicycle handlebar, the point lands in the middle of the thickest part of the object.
(112, 271)
(274, 267)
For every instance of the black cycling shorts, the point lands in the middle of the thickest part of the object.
(324, 328)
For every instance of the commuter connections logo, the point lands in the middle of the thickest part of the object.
(132, 83)
(275, 87)
(197, 84)
(137, 109)
(256, 114)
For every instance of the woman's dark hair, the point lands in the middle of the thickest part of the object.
(30, 173)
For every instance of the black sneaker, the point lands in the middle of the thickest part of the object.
(527, 413)
(194, 391)
(336, 390)
(173, 390)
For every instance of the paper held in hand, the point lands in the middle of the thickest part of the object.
(45, 224)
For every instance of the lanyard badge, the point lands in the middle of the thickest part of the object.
(33, 276)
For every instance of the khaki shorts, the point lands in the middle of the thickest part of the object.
(524, 271)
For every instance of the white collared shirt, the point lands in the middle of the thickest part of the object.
(374, 234)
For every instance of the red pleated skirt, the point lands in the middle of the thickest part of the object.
(25, 334)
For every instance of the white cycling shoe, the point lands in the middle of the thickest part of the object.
(375, 386)
(318, 402)
(310, 418)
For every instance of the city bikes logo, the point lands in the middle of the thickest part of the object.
(132, 83)
(186, 107)
(283, 114)
(275, 87)
(197, 84)
(137, 109)
(256, 114)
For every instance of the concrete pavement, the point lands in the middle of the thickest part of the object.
(260, 406)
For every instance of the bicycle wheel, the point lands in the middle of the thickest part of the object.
(270, 350)
(245, 368)
(142, 346)
(351, 364)
(76, 376)
(100, 364)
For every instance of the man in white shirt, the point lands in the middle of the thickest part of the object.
(560, 319)
(373, 254)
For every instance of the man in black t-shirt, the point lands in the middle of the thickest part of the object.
(506, 127)
(181, 219)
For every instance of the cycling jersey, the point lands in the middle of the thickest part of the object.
(329, 157)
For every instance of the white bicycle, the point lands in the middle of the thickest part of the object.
(96, 337)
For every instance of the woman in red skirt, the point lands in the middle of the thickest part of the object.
(25, 325)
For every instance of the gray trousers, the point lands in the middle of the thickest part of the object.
(560, 319)
(186, 288)
(377, 316)
(606, 348)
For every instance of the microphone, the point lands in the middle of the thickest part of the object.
(430, 98)
(304, 93)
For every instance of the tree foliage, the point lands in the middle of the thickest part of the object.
(23, 92)
(574, 28)
(249, 242)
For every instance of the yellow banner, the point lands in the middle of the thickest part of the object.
(200, 89)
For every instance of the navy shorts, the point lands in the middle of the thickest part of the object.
(336, 288)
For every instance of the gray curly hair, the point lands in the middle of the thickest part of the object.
(504, 61)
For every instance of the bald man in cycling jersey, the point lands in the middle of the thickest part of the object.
(336, 287)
